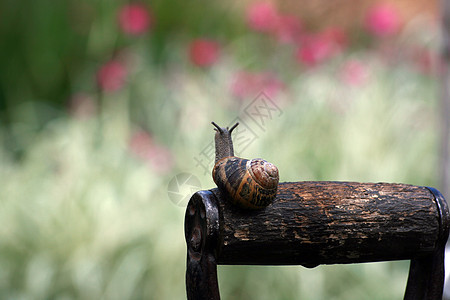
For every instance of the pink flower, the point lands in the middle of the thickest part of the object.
(111, 76)
(382, 20)
(247, 84)
(204, 52)
(288, 28)
(134, 19)
(316, 48)
(354, 72)
(337, 36)
(262, 16)
(143, 146)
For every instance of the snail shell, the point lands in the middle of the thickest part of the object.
(251, 184)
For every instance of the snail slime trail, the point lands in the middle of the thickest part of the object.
(249, 184)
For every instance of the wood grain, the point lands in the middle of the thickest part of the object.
(311, 223)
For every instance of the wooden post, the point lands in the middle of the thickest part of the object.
(201, 229)
(312, 223)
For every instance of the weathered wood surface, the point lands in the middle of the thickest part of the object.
(311, 223)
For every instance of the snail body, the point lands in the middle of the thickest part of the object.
(249, 183)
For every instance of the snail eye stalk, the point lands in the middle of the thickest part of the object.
(233, 127)
(217, 127)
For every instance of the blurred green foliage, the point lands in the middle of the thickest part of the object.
(84, 201)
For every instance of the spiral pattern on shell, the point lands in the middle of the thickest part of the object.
(250, 184)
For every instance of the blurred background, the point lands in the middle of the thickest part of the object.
(105, 112)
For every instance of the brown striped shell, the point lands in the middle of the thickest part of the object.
(251, 184)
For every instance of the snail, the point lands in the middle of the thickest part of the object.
(250, 184)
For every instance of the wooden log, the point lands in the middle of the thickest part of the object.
(311, 223)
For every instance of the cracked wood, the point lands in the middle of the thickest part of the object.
(312, 223)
